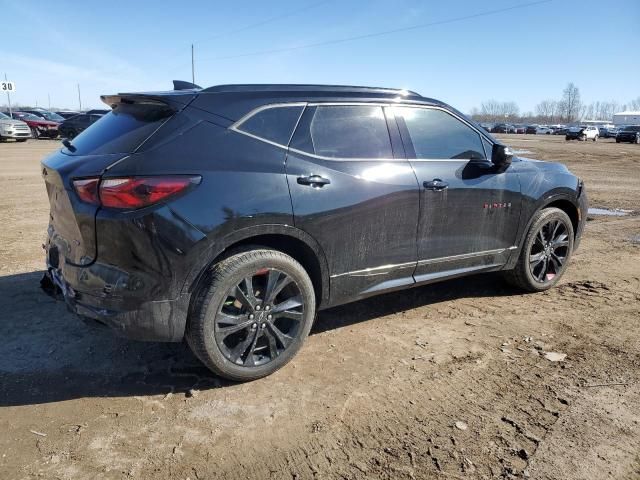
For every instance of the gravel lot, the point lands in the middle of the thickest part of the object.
(444, 381)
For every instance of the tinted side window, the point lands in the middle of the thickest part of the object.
(436, 134)
(346, 131)
(275, 124)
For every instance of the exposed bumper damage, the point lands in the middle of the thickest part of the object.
(150, 321)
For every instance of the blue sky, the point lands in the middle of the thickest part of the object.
(523, 55)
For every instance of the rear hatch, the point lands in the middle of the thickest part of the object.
(133, 120)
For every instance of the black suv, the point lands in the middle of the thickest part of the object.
(73, 126)
(230, 215)
(629, 134)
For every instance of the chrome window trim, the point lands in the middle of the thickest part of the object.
(236, 125)
(345, 159)
(386, 269)
(236, 128)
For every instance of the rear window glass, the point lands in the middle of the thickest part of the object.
(275, 124)
(120, 131)
(632, 129)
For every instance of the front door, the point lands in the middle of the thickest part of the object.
(469, 211)
(356, 195)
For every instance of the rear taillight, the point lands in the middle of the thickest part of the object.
(87, 189)
(132, 192)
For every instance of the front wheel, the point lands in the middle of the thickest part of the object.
(35, 133)
(545, 252)
(252, 314)
(595, 139)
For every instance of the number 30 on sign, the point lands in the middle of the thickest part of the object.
(7, 86)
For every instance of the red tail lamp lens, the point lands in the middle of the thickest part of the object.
(87, 190)
(138, 192)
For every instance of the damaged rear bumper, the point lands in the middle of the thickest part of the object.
(162, 320)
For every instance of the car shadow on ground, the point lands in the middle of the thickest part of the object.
(48, 354)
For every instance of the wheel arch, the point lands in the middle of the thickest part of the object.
(287, 239)
(562, 201)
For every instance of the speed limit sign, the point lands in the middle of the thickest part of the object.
(6, 86)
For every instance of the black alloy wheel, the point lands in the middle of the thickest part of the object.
(549, 251)
(260, 318)
(545, 251)
(251, 314)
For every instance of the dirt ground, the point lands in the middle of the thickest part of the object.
(444, 381)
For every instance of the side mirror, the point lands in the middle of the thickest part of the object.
(501, 156)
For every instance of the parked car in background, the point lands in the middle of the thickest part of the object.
(503, 128)
(67, 113)
(16, 129)
(487, 126)
(40, 128)
(232, 232)
(42, 113)
(583, 133)
(630, 134)
(559, 131)
(531, 129)
(75, 125)
(544, 130)
(613, 131)
(520, 129)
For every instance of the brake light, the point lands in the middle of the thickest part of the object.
(132, 192)
(87, 190)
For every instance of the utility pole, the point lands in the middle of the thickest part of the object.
(49, 100)
(193, 68)
(79, 98)
(8, 97)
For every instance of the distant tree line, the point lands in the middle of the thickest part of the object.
(568, 109)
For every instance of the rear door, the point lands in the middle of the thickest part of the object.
(356, 194)
(469, 211)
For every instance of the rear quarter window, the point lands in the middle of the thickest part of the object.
(275, 124)
(122, 130)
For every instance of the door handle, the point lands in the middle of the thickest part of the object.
(436, 185)
(314, 181)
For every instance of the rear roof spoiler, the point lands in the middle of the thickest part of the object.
(182, 85)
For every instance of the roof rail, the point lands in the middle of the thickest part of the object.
(306, 87)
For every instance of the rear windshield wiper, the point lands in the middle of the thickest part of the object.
(67, 143)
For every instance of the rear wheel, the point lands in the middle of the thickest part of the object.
(252, 314)
(545, 252)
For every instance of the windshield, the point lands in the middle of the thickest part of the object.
(632, 129)
(121, 130)
(3, 116)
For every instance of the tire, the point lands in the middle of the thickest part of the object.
(34, 133)
(230, 329)
(617, 141)
(595, 139)
(532, 275)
